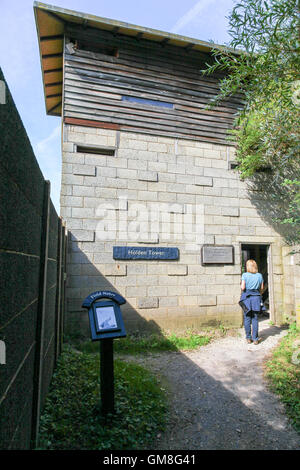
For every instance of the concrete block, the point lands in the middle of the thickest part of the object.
(72, 179)
(227, 300)
(116, 162)
(136, 268)
(204, 300)
(212, 153)
(230, 229)
(187, 300)
(134, 291)
(115, 270)
(248, 212)
(177, 270)
(68, 147)
(219, 164)
(147, 175)
(212, 210)
(167, 197)
(137, 165)
(168, 301)
(107, 171)
(145, 155)
(96, 160)
(82, 213)
(157, 186)
(66, 190)
(71, 201)
(125, 173)
(197, 290)
(157, 166)
(74, 224)
(144, 237)
(83, 235)
(264, 231)
(147, 196)
(157, 147)
(83, 191)
(236, 269)
(147, 302)
(105, 193)
(176, 168)
(203, 181)
(84, 170)
(230, 211)
(137, 144)
(247, 230)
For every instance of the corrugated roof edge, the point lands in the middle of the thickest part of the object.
(130, 27)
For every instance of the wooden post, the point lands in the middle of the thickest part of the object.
(107, 376)
(41, 307)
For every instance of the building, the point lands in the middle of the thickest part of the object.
(147, 166)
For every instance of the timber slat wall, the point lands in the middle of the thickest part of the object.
(32, 267)
(94, 84)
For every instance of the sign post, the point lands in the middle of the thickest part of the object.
(107, 386)
(106, 323)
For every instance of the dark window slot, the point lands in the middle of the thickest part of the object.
(97, 47)
(233, 165)
(96, 150)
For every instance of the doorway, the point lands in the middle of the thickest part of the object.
(261, 253)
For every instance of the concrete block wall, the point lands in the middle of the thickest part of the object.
(179, 176)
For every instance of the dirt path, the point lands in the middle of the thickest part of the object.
(219, 399)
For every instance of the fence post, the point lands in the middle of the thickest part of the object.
(63, 285)
(42, 292)
(58, 309)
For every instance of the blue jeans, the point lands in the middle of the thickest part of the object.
(251, 318)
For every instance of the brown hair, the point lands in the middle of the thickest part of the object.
(251, 266)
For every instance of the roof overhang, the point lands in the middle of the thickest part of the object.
(51, 22)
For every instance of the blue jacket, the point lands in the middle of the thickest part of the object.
(251, 301)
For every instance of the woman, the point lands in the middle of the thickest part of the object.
(252, 285)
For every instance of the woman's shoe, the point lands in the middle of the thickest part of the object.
(249, 341)
(255, 342)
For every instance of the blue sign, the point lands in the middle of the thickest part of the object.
(150, 253)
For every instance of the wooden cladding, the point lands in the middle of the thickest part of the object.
(96, 47)
(147, 88)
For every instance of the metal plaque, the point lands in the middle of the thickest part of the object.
(213, 254)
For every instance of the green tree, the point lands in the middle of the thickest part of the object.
(262, 63)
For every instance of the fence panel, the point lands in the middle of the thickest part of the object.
(31, 273)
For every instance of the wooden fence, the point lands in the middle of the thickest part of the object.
(32, 273)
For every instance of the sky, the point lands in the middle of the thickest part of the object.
(20, 60)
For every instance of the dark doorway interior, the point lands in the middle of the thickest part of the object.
(260, 254)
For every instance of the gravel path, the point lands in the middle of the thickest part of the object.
(219, 399)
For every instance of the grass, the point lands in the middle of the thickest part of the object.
(71, 418)
(136, 343)
(283, 373)
(152, 343)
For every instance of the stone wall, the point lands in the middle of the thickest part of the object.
(184, 177)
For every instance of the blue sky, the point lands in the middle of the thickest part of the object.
(20, 62)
